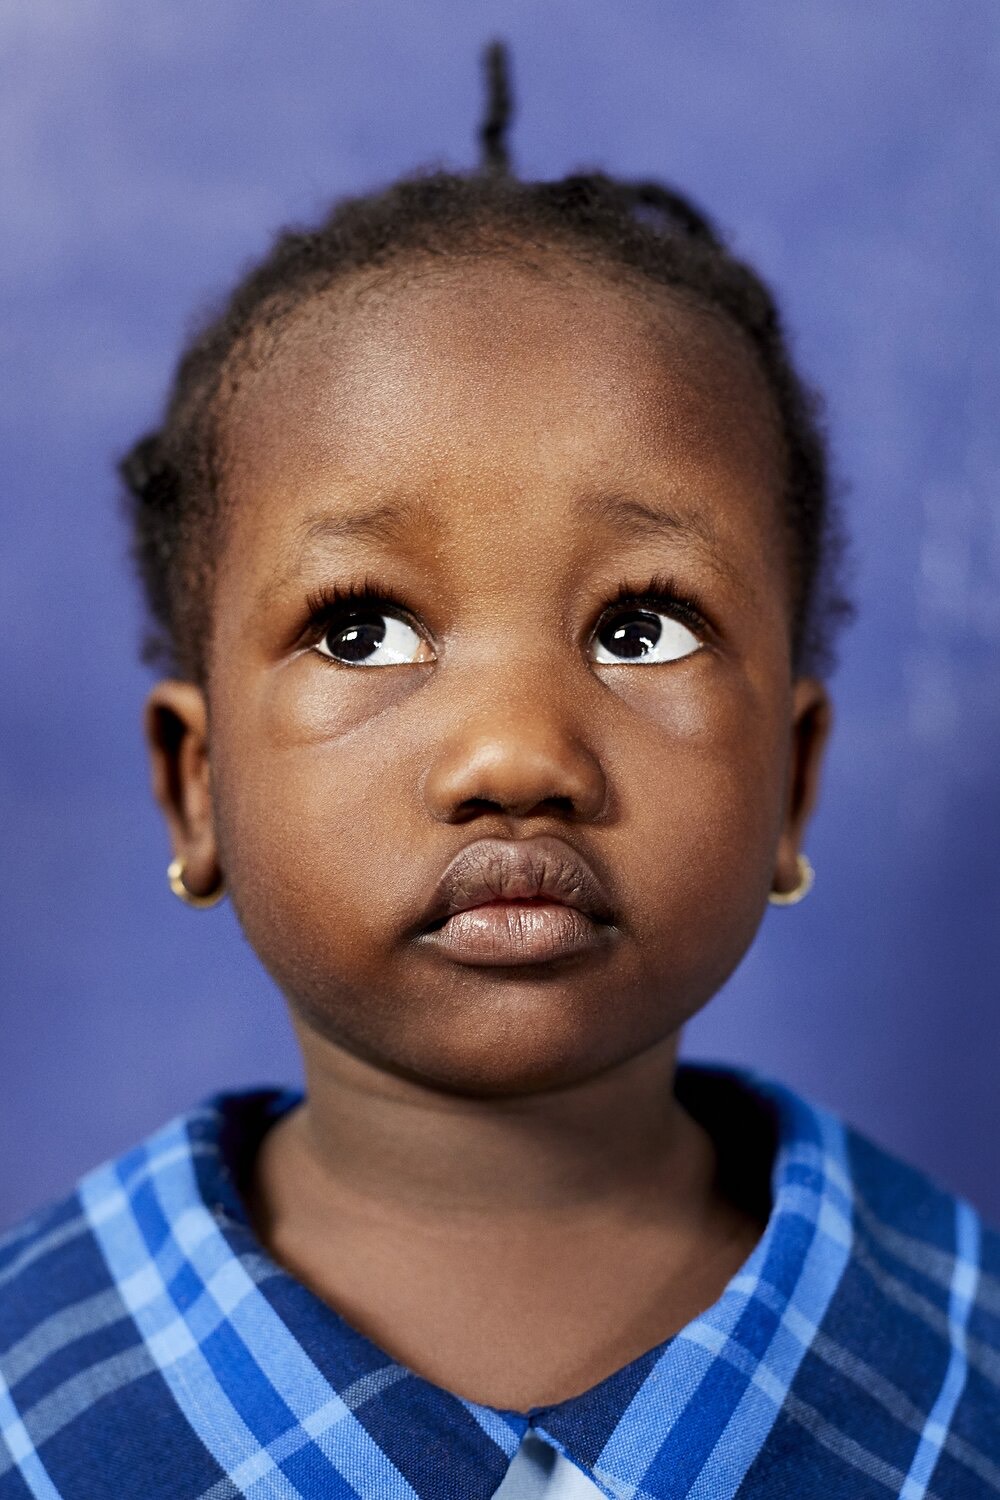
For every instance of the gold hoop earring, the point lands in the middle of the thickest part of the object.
(175, 878)
(799, 892)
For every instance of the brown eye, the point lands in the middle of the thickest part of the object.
(372, 638)
(644, 636)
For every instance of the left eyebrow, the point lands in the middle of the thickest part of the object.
(641, 519)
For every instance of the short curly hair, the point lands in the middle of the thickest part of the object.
(642, 230)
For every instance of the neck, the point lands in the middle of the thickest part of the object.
(393, 1147)
(515, 1251)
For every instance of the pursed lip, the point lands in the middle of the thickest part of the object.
(511, 902)
(541, 869)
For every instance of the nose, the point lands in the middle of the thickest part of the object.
(514, 752)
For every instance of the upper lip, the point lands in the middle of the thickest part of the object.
(541, 868)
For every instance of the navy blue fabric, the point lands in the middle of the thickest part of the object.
(150, 1348)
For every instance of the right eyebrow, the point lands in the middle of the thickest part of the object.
(382, 522)
(376, 523)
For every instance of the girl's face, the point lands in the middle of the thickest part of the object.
(503, 750)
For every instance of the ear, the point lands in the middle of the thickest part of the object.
(176, 726)
(812, 717)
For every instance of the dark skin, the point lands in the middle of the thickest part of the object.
(490, 1174)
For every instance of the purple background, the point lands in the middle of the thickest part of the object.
(149, 150)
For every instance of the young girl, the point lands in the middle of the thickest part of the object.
(488, 544)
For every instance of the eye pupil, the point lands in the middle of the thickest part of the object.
(631, 635)
(358, 640)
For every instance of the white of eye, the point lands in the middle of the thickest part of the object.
(371, 639)
(642, 637)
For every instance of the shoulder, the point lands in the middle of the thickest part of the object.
(911, 1227)
(889, 1204)
(94, 1292)
(909, 1337)
(902, 1224)
(49, 1263)
(66, 1343)
(62, 1256)
(887, 1285)
(931, 1262)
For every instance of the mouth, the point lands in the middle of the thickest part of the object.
(510, 903)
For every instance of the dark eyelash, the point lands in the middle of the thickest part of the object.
(662, 593)
(332, 601)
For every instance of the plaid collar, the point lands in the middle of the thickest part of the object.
(857, 1349)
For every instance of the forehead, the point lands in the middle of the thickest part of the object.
(474, 385)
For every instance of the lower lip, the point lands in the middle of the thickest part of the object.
(515, 933)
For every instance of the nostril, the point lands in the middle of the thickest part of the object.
(527, 769)
(476, 807)
(565, 806)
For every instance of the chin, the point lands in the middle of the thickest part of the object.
(520, 1039)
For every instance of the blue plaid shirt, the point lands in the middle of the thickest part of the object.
(149, 1348)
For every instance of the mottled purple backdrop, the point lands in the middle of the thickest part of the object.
(851, 150)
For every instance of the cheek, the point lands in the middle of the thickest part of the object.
(307, 701)
(304, 774)
(700, 782)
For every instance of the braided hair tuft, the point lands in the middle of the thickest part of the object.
(499, 109)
